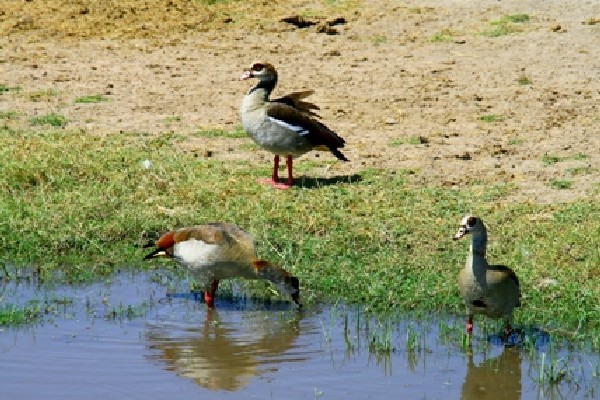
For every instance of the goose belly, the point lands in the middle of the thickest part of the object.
(196, 254)
(210, 261)
(480, 299)
(277, 138)
(471, 290)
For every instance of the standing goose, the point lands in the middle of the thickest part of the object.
(285, 126)
(491, 290)
(218, 251)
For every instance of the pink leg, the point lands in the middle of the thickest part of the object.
(275, 177)
(289, 161)
(274, 181)
(469, 325)
(209, 294)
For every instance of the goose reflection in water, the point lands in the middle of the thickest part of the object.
(226, 353)
(497, 378)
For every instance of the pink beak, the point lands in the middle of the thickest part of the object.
(246, 75)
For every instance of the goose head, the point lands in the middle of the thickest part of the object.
(264, 72)
(469, 224)
(291, 286)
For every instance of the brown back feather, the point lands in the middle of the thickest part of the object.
(511, 274)
(318, 134)
(295, 100)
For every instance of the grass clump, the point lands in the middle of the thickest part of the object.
(524, 80)
(580, 170)
(8, 115)
(6, 88)
(52, 119)
(561, 183)
(514, 18)
(444, 36)
(378, 39)
(41, 95)
(489, 118)
(11, 315)
(172, 118)
(550, 159)
(95, 98)
(506, 25)
(213, 2)
(83, 204)
(238, 132)
(412, 140)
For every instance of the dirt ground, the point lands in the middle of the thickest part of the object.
(410, 85)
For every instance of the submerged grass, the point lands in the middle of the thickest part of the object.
(12, 315)
(84, 204)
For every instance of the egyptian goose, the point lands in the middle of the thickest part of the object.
(286, 126)
(491, 290)
(218, 251)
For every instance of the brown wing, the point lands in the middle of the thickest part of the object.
(213, 233)
(510, 274)
(210, 234)
(295, 100)
(315, 132)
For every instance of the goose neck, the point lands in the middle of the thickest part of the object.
(478, 244)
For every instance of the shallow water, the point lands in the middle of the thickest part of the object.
(124, 338)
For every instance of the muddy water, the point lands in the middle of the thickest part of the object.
(124, 338)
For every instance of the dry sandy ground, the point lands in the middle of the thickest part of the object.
(400, 99)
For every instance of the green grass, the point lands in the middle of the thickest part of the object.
(548, 159)
(491, 118)
(122, 312)
(524, 80)
(514, 18)
(52, 119)
(42, 95)
(82, 204)
(578, 157)
(580, 170)
(413, 140)
(551, 159)
(506, 25)
(444, 36)
(172, 118)
(95, 98)
(11, 315)
(238, 132)
(5, 88)
(9, 115)
(560, 183)
(213, 2)
(378, 39)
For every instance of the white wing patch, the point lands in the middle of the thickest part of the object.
(298, 129)
(195, 253)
